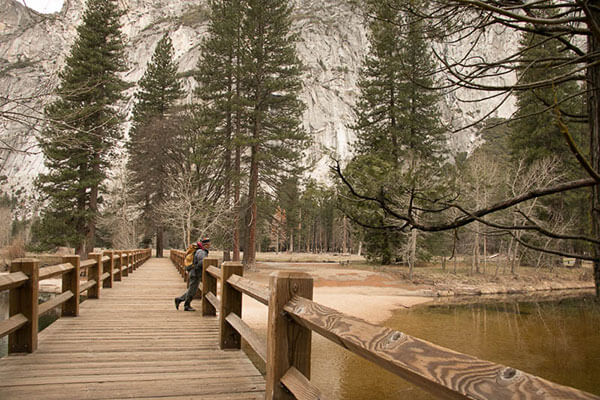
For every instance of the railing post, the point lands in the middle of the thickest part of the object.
(107, 266)
(124, 260)
(24, 300)
(70, 281)
(117, 266)
(95, 273)
(209, 284)
(231, 302)
(288, 344)
(130, 260)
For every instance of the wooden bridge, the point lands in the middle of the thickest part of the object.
(129, 342)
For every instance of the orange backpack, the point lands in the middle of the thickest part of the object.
(189, 254)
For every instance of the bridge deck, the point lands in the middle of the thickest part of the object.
(132, 343)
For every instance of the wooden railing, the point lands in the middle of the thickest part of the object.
(293, 316)
(23, 280)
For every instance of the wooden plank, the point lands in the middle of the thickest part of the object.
(87, 263)
(258, 344)
(445, 373)
(12, 280)
(104, 276)
(301, 387)
(133, 389)
(216, 303)
(132, 343)
(54, 302)
(11, 324)
(251, 288)
(231, 303)
(24, 300)
(288, 343)
(55, 270)
(214, 271)
(70, 282)
(85, 286)
(209, 285)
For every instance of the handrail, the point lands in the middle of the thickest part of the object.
(293, 316)
(12, 280)
(23, 283)
(253, 289)
(55, 270)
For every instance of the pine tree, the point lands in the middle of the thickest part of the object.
(153, 134)
(271, 82)
(536, 134)
(83, 127)
(219, 92)
(400, 139)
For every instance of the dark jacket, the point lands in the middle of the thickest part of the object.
(199, 256)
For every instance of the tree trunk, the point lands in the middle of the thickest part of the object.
(250, 249)
(90, 237)
(159, 241)
(413, 253)
(593, 73)
(236, 213)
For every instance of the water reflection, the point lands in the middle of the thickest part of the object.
(559, 341)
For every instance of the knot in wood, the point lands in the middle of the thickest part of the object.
(395, 338)
(295, 287)
(299, 310)
(509, 375)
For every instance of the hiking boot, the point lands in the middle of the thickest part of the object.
(177, 302)
(189, 308)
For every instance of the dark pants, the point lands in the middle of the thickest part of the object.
(188, 296)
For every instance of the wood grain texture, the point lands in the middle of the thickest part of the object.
(258, 344)
(132, 343)
(11, 324)
(87, 263)
(209, 285)
(231, 303)
(24, 300)
(55, 270)
(215, 272)
(54, 302)
(85, 286)
(213, 300)
(253, 289)
(301, 388)
(443, 372)
(70, 282)
(12, 280)
(288, 343)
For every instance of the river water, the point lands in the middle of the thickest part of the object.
(557, 340)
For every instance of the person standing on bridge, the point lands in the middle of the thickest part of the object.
(195, 276)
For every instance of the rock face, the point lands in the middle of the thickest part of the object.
(333, 43)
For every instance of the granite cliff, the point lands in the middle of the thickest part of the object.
(333, 43)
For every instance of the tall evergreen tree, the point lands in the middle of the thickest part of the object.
(271, 83)
(536, 133)
(83, 127)
(219, 92)
(153, 134)
(400, 139)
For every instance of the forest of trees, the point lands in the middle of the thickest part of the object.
(232, 163)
